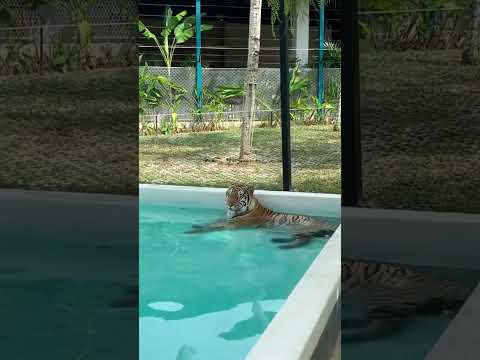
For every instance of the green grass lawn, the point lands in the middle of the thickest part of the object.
(77, 132)
(420, 131)
(70, 132)
(185, 159)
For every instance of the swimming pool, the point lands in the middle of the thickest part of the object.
(209, 296)
(444, 245)
(415, 339)
(66, 257)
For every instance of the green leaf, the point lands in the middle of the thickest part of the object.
(145, 32)
(59, 60)
(189, 21)
(172, 22)
(207, 27)
(365, 28)
(184, 32)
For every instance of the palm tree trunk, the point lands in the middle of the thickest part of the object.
(251, 80)
(471, 49)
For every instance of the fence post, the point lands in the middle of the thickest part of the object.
(351, 129)
(285, 100)
(321, 31)
(198, 54)
(41, 50)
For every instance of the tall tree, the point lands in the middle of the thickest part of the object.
(471, 48)
(253, 61)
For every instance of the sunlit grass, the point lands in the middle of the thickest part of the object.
(182, 159)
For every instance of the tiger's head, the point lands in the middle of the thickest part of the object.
(239, 200)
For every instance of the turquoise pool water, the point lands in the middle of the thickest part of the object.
(209, 296)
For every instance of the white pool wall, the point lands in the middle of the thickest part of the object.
(79, 221)
(295, 331)
(46, 211)
(214, 198)
(417, 238)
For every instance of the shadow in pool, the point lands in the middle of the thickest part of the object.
(209, 336)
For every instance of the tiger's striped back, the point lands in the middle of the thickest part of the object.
(397, 291)
(391, 294)
(280, 220)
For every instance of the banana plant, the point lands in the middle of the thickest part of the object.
(155, 89)
(177, 30)
(79, 11)
(148, 92)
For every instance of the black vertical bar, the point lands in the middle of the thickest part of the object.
(351, 146)
(285, 99)
(41, 49)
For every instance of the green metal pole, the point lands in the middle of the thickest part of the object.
(198, 53)
(285, 100)
(320, 73)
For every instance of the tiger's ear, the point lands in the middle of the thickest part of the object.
(251, 189)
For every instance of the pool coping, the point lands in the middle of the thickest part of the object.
(416, 238)
(458, 341)
(299, 321)
(292, 202)
(7, 194)
(296, 329)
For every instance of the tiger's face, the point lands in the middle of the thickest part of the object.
(239, 200)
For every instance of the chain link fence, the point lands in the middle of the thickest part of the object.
(39, 48)
(210, 158)
(115, 32)
(105, 11)
(268, 90)
(41, 36)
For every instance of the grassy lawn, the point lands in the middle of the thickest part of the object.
(420, 131)
(70, 132)
(185, 159)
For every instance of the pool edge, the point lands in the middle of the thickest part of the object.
(412, 237)
(300, 320)
(208, 197)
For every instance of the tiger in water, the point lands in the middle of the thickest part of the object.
(245, 211)
(391, 294)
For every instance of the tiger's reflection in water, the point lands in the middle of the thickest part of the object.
(385, 296)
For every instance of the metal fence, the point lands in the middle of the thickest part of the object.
(268, 89)
(442, 28)
(38, 48)
(116, 32)
(105, 11)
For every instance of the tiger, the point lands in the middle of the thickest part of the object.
(392, 294)
(244, 210)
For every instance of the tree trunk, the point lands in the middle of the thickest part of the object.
(471, 48)
(251, 80)
(338, 120)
